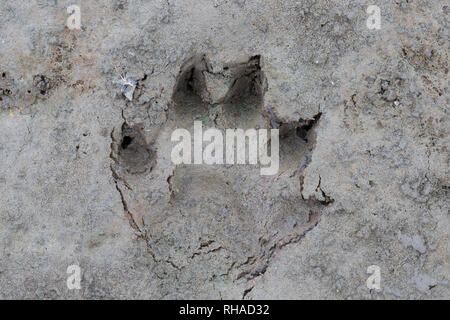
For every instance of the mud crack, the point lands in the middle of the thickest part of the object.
(260, 265)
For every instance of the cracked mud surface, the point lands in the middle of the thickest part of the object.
(86, 175)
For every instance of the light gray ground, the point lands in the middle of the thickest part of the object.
(86, 176)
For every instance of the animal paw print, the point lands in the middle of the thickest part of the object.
(229, 216)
